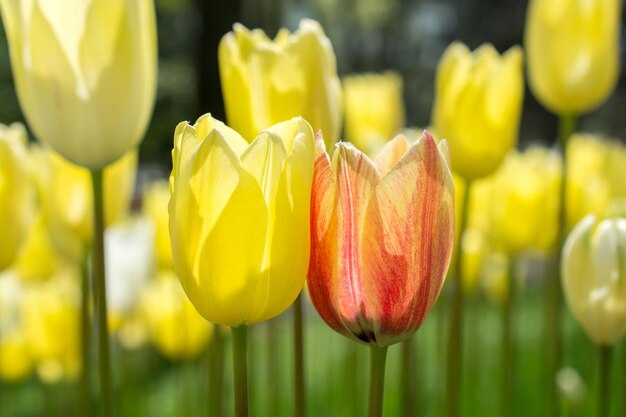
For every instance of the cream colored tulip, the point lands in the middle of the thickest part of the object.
(374, 109)
(477, 108)
(593, 276)
(14, 185)
(85, 73)
(572, 49)
(267, 81)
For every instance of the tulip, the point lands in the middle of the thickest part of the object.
(155, 201)
(239, 224)
(374, 109)
(14, 198)
(382, 234)
(573, 53)
(523, 211)
(381, 237)
(175, 327)
(85, 73)
(478, 102)
(593, 271)
(265, 82)
(37, 258)
(67, 201)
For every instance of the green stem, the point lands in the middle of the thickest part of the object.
(454, 370)
(507, 343)
(409, 384)
(298, 343)
(274, 365)
(85, 328)
(100, 300)
(216, 372)
(567, 126)
(604, 380)
(378, 357)
(240, 369)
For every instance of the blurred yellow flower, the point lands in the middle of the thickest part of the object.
(524, 201)
(474, 249)
(239, 218)
(595, 177)
(495, 277)
(38, 257)
(573, 52)
(267, 81)
(66, 197)
(593, 274)
(373, 108)
(14, 185)
(52, 325)
(155, 201)
(175, 327)
(477, 108)
(85, 73)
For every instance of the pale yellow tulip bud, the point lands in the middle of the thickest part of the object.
(573, 52)
(85, 73)
(374, 109)
(593, 276)
(478, 102)
(14, 185)
(265, 82)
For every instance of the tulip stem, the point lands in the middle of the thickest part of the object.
(216, 372)
(100, 299)
(85, 332)
(604, 380)
(298, 335)
(507, 342)
(378, 359)
(454, 370)
(240, 369)
(408, 375)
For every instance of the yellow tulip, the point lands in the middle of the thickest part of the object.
(175, 327)
(374, 109)
(66, 196)
(85, 73)
(524, 201)
(155, 202)
(478, 102)
(15, 360)
(573, 52)
(595, 177)
(239, 218)
(593, 266)
(495, 277)
(14, 184)
(38, 258)
(265, 82)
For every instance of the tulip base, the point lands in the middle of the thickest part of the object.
(99, 294)
(378, 359)
(240, 369)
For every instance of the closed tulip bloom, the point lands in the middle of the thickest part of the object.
(382, 234)
(155, 201)
(478, 103)
(267, 81)
(85, 73)
(239, 218)
(573, 52)
(14, 199)
(374, 109)
(593, 266)
(523, 208)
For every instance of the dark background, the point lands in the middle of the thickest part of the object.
(368, 35)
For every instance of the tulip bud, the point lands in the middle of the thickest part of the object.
(374, 109)
(478, 103)
(85, 73)
(593, 266)
(265, 82)
(239, 218)
(382, 234)
(573, 52)
(14, 183)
